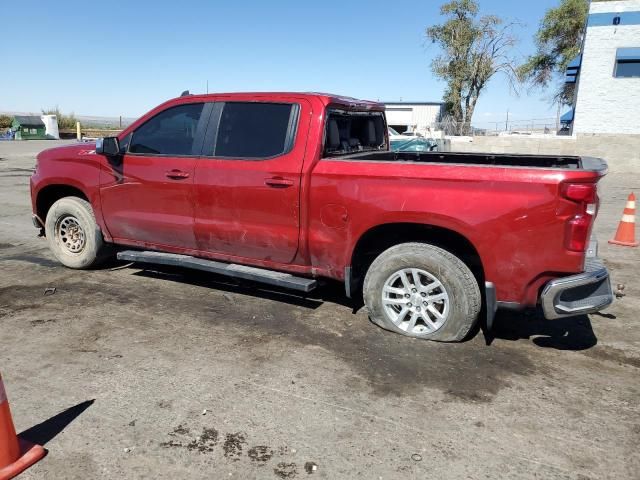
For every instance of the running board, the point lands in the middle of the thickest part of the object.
(270, 277)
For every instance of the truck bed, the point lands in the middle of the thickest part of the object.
(489, 159)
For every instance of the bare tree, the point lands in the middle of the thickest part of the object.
(473, 50)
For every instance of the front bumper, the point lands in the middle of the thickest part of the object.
(586, 292)
(37, 222)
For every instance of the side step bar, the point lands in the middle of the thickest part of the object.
(270, 277)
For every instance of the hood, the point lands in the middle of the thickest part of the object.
(68, 151)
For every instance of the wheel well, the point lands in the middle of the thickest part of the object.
(382, 237)
(51, 194)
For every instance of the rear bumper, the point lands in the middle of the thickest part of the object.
(586, 292)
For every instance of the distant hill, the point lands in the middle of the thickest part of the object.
(88, 120)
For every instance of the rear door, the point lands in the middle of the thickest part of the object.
(147, 194)
(247, 184)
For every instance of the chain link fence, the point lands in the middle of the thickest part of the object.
(505, 127)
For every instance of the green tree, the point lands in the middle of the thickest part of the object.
(65, 122)
(472, 50)
(558, 41)
(5, 121)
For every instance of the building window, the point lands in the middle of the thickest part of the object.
(627, 63)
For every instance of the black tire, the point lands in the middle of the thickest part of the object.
(457, 281)
(93, 250)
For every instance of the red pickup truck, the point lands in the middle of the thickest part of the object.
(287, 188)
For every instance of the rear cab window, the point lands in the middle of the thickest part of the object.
(348, 132)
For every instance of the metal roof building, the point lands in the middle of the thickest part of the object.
(29, 127)
(413, 116)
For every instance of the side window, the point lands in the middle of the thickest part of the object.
(124, 144)
(170, 132)
(255, 130)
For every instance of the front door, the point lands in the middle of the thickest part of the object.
(147, 193)
(247, 183)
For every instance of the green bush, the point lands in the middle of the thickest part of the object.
(65, 122)
(5, 121)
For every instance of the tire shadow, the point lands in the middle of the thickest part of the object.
(571, 333)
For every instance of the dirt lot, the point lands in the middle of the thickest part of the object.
(127, 373)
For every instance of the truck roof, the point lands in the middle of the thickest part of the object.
(325, 98)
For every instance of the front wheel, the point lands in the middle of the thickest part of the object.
(422, 291)
(73, 234)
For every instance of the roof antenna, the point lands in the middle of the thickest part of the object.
(185, 93)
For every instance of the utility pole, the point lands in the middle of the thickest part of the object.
(506, 124)
(207, 86)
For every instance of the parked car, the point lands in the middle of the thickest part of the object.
(392, 132)
(394, 135)
(289, 188)
(416, 144)
(410, 142)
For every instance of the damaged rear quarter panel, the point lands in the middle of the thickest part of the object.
(514, 217)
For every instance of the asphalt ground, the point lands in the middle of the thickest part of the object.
(165, 373)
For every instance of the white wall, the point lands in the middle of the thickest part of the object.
(622, 152)
(619, 6)
(419, 116)
(606, 104)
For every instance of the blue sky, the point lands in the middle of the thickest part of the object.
(118, 57)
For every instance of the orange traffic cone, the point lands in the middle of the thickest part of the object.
(16, 455)
(626, 234)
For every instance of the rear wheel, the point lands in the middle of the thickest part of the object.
(73, 234)
(422, 291)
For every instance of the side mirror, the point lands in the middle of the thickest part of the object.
(109, 146)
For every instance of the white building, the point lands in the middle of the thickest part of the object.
(608, 75)
(420, 117)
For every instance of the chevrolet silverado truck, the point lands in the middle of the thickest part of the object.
(290, 188)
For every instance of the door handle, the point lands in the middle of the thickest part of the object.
(176, 174)
(278, 182)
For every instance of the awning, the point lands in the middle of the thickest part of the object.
(628, 54)
(575, 63)
(567, 117)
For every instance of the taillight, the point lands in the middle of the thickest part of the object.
(580, 192)
(577, 233)
(578, 227)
